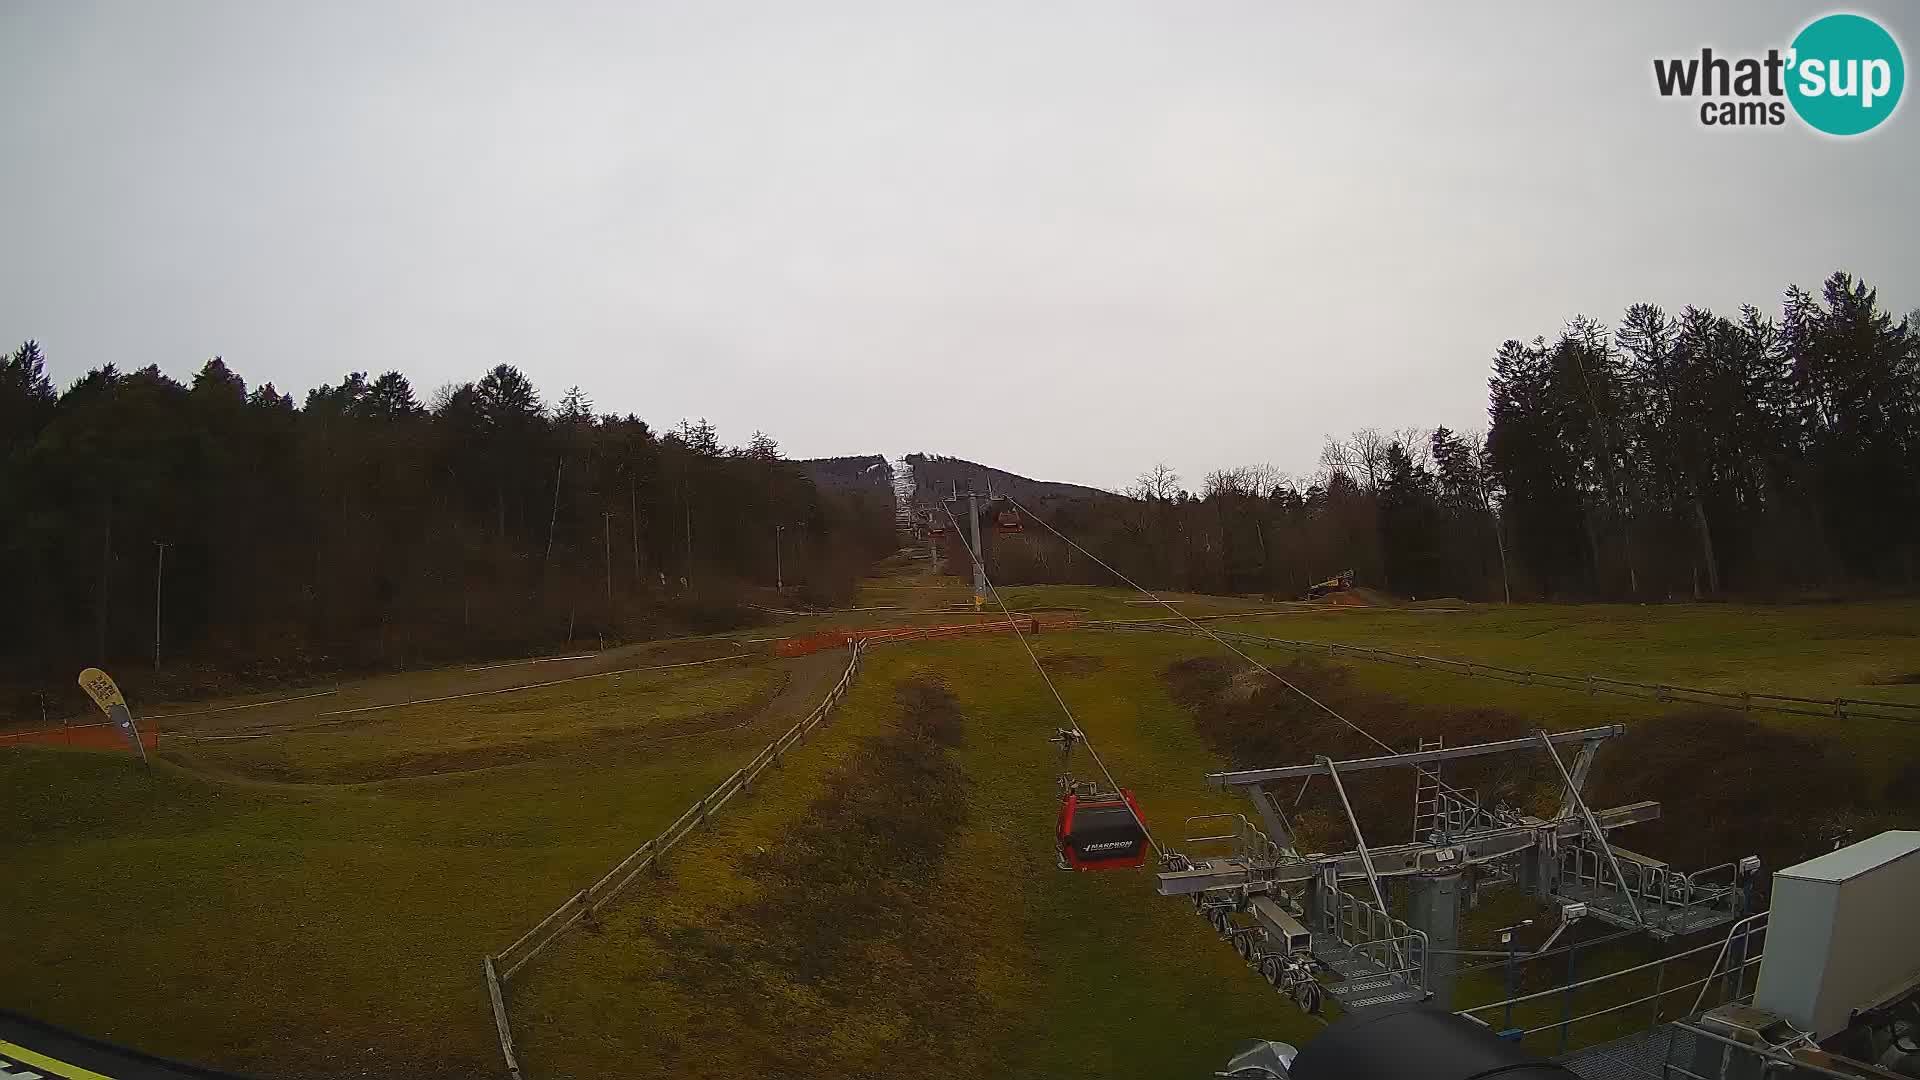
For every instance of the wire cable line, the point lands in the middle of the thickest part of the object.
(1048, 679)
(1223, 643)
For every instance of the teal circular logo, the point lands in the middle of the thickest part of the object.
(1845, 74)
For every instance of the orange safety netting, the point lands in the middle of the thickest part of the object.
(85, 736)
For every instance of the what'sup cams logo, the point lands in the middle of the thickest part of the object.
(1842, 75)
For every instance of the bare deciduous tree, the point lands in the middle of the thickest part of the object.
(1158, 484)
(1362, 456)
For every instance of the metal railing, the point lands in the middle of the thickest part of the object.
(1742, 932)
(1729, 967)
(1376, 935)
(583, 906)
(1741, 1059)
(1842, 708)
(1409, 951)
(1245, 840)
(1460, 811)
(1597, 835)
(1360, 845)
(1671, 894)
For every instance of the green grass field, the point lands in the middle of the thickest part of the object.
(1067, 974)
(325, 929)
(592, 717)
(1818, 651)
(316, 903)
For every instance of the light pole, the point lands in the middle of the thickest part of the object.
(1506, 938)
(779, 571)
(159, 574)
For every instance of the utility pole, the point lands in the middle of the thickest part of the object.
(686, 505)
(606, 534)
(779, 572)
(633, 520)
(979, 567)
(159, 574)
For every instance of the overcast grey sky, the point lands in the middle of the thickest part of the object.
(1205, 233)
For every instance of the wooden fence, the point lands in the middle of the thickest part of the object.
(500, 968)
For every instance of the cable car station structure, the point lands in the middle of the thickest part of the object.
(1323, 923)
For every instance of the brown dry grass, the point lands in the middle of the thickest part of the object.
(1728, 786)
(1072, 664)
(1252, 721)
(821, 956)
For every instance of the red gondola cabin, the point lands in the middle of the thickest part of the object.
(1010, 522)
(1101, 832)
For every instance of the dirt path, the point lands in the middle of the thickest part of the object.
(808, 680)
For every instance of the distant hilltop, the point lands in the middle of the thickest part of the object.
(937, 473)
(864, 472)
(933, 473)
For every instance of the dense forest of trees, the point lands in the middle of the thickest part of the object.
(1676, 456)
(364, 527)
(1673, 456)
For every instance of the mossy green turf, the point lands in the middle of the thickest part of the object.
(317, 930)
(1089, 974)
(1106, 978)
(1817, 651)
(329, 930)
(419, 739)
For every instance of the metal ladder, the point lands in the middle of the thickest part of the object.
(1428, 815)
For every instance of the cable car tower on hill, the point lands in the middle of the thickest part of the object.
(1316, 924)
(1006, 522)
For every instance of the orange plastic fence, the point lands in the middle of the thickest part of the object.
(839, 638)
(85, 736)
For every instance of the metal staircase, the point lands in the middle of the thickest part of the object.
(1377, 958)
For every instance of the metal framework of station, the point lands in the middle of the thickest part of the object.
(1321, 924)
